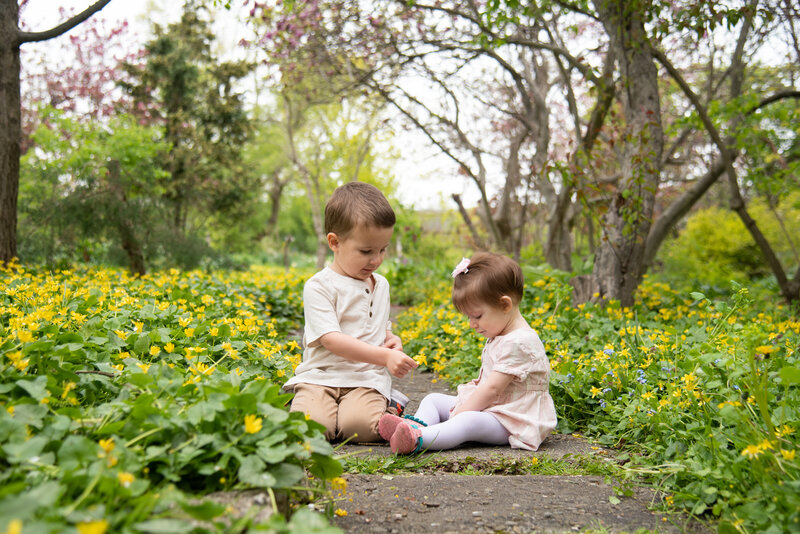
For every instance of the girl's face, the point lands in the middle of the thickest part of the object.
(492, 321)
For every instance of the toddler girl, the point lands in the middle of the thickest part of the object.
(509, 402)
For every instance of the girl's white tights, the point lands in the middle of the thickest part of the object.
(444, 432)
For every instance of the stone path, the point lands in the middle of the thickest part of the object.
(446, 502)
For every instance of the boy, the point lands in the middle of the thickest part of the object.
(344, 380)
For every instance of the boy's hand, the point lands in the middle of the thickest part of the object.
(393, 342)
(398, 363)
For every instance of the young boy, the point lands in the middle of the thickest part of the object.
(344, 380)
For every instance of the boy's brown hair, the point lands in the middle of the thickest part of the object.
(487, 279)
(357, 203)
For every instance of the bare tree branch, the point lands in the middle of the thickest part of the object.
(32, 37)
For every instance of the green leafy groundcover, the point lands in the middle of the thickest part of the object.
(123, 401)
(704, 397)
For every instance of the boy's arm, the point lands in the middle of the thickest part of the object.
(485, 393)
(354, 349)
(393, 341)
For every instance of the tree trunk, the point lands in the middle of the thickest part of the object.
(10, 111)
(124, 225)
(558, 248)
(476, 240)
(10, 128)
(619, 263)
(275, 193)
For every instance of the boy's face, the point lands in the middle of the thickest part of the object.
(361, 253)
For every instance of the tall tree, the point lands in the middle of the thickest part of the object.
(11, 38)
(193, 95)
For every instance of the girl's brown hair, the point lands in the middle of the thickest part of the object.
(488, 278)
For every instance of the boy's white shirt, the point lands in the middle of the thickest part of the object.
(336, 303)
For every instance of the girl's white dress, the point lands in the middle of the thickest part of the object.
(525, 408)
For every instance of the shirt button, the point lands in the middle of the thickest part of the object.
(370, 314)
(367, 290)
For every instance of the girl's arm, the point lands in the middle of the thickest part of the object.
(356, 350)
(486, 392)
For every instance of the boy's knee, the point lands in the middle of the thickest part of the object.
(312, 401)
(321, 418)
(361, 429)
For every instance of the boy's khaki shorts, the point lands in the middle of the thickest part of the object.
(345, 412)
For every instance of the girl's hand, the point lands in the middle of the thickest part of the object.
(489, 389)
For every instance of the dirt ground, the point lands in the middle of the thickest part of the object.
(446, 502)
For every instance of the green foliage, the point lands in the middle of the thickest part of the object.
(125, 401)
(191, 94)
(703, 396)
(89, 182)
(715, 248)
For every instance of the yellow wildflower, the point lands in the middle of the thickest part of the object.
(69, 386)
(92, 527)
(751, 451)
(252, 424)
(24, 336)
(339, 484)
(155, 350)
(341, 513)
(788, 455)
(189, 332)
(14, 527)
(125, 479)
(169, 347)
(107, 444)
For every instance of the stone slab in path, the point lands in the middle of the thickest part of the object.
(477, 504)
(453, 503)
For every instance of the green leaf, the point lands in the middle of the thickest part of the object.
(142, 345)
(325, 467)
(251, 471)
(36, 388)
(203, 511)
(164, 526)
(20, 452)
(790, 375)
(613, 499)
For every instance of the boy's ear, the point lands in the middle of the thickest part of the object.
(506, 303)
(333, 241)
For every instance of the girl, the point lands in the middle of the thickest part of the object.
(509, 402)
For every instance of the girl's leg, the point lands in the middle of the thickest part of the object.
(435, 408)
(482, 427)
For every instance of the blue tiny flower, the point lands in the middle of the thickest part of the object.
(602, 403)
(594, 369)
(606, 390)
(608, 352)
